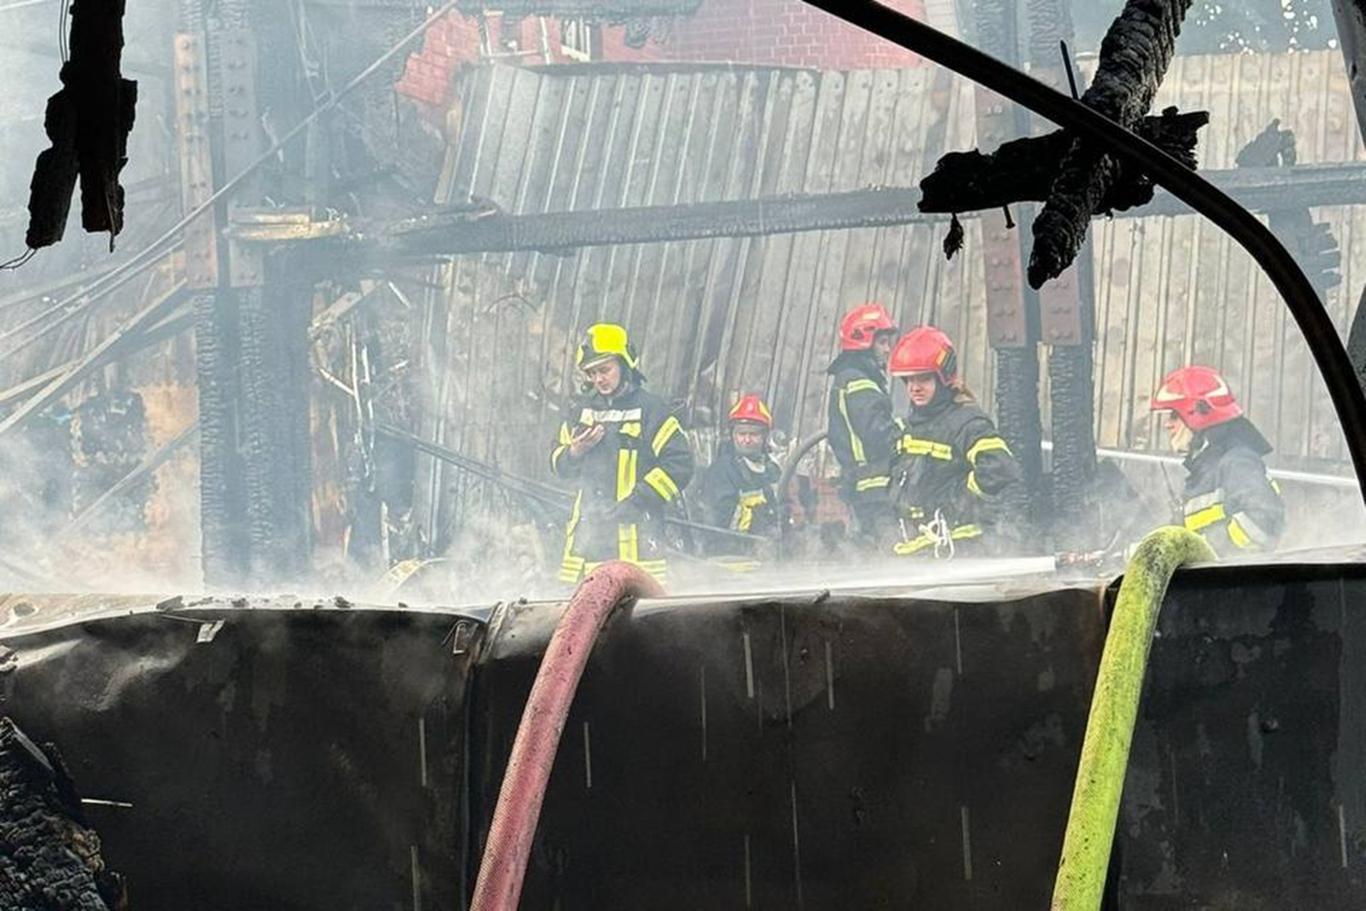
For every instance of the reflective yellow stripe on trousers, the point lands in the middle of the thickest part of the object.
(571, 565)
(626, 472)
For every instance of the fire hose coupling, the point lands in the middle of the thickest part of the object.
(1114, 710)
(503, 868)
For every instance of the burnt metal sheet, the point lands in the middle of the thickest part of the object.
(804, 751)
(837, 751)
(807, 750)
(291, 759)
(1245, 786)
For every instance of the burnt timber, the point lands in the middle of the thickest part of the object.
(1134, 56)
(1024, 170)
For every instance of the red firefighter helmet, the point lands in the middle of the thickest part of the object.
(751, 410)
(925, 349)
(1198, 395)
(862, 324)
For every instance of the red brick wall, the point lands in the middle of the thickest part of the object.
(429, 74)
(776, 32)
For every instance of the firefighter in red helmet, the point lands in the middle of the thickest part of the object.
(862, 431)
(951, 465)
(1228, 499)
(626, 452)
(740, 487)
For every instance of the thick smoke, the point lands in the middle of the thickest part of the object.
(440, 362)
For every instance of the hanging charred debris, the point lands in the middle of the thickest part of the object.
(88, 122)
(1074, 180)
(1312, 242)
(50, 857)
(1025, 170)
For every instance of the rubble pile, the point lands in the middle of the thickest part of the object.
(49, 857)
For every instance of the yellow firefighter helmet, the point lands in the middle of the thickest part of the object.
(604, 340)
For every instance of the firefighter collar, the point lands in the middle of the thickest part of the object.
(758, 466)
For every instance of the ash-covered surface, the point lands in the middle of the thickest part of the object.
(49, 857)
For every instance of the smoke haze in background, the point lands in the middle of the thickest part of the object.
(468, 541)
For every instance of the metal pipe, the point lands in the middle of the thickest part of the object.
(1244, 227)
(503, 868)
(1321, 479)
(1114, 710)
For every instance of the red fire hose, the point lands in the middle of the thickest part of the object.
(503, 868)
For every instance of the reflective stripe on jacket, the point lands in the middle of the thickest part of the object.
(862, 431)
(951, 466)
(740, 493)
(625, 483)
(1229, 500)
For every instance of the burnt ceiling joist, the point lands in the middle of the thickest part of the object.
(483, 228)
(490, 231)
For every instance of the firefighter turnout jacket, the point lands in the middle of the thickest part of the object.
(862, 434)
(950, 471)
(626, 483)
(1229, 500)
(741, 493)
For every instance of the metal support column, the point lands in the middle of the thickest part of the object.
(1012, 308)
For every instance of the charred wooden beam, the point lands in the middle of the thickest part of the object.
(484, 229)
(88, 122)
(101, 354)
(1312, 242)
(1067, 313)
(1025, 170)
(1275, 189)
(1012, 310)
(1133, 59)
(487, 231)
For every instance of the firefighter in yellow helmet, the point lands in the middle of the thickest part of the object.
(628, 456)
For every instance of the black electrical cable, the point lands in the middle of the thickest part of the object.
(1182, 182)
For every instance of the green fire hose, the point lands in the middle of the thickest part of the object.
(1114, 710)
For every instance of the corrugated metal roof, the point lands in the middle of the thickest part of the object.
(714, 318)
